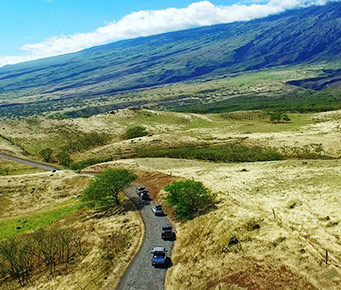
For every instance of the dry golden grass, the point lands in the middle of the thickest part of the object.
(172, 129)
(104, 260)
(287, 252)
(32, 193)
(8, 167)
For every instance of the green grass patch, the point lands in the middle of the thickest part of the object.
(13, 227)
(223, 153)
(88, 162)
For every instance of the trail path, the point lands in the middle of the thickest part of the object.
(28, 162)
(140, 273)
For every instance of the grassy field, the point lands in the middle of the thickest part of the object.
(13, 227)
(286, 251)
(44, 200)
(8, 167)
(263, 86)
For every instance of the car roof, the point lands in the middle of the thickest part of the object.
(159, 249)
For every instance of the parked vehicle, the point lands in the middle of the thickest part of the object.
(140, 189)
(157, 210)
(167, 233)
(159, 256)
(145, 195)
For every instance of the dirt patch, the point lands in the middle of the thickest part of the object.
(255, 276)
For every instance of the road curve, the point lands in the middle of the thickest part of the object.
(28, 162)
(141, 274)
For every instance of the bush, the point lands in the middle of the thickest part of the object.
(88, 162)
(135, 132)
(85, 141)
(190, 198)
(47, 155)
(64, 158)
(223, 153)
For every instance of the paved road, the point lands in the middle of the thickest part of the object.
(141, 274)
(27, 162)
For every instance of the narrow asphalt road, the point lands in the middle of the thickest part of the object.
(28, 162)
(141, 274)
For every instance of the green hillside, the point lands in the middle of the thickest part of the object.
(298, 37)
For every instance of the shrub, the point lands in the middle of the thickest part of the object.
(85, 141)
(88, 162)
(46, 154)
(64, 158)
(189, 198)
(223, 153)
(135, 132)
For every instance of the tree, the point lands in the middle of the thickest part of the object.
(189, 197)
(135, 132)
(278, 116)
(104, 188)
(64, 158)
(286, 118)
(46, 154)
(275, 116)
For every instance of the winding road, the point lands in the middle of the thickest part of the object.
(28, 162)
(140, 273)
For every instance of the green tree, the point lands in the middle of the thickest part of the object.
(46, 154)
(278, 116)
(135, 132)
(104, 188)
(189, 197)
(275, 116)
(286, 118)
(64, 158)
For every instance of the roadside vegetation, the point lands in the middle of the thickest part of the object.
(48, 239)
(104, 189)
(223, 153)
(135, 132)
(190, 198)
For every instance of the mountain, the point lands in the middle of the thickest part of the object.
(308, 35)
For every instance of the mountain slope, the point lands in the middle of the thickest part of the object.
(306, 35)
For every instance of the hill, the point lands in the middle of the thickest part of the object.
(304, 36)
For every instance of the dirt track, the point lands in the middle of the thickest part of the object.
(28, 162)
(141, 274)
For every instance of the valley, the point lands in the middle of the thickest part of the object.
(232, 131)
(301, 189)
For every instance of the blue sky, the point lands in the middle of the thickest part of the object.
(31, 29)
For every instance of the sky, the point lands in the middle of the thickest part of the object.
(33, 29)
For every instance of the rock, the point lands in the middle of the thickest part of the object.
(233, 241)
(256, 227)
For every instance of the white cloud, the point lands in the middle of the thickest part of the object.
(144, 23)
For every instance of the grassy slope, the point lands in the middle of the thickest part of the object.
(287, 251)
(37, 200)
(176, 129)
(93, 78)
